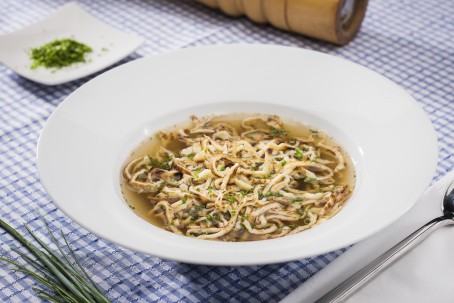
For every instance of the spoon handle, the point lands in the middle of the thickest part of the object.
(357, 280)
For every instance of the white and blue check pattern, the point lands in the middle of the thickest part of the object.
(410, 42)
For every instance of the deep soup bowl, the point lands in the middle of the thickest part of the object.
(88, 137)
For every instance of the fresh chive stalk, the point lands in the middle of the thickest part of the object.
(61, 279)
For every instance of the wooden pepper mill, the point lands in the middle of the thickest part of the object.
(335, 21)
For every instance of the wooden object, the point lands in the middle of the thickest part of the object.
(336, 21)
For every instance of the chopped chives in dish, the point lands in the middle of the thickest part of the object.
(59, 53)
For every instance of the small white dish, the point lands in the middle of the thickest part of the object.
(88, 137)
(109, 45)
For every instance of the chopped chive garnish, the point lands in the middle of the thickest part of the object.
(59, 53)
(298, 153)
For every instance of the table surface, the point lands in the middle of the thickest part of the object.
(410, 42)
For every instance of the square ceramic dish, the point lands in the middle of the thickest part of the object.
(109, 45)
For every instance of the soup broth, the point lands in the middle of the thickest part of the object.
(237, 177)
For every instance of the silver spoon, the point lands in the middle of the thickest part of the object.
(360, 278)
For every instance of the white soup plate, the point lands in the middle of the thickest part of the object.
(86, 140)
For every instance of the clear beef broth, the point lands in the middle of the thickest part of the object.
(142, 206)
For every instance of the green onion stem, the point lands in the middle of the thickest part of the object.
(63, 281)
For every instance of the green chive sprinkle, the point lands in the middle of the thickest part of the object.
(59, 53)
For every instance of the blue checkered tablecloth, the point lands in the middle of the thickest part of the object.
(410, 42)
